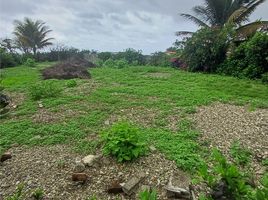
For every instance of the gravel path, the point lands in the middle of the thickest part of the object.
(222, 124)
(50, 168)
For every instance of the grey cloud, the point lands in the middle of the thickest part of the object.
(144, 18)
(16, 7)
(107, 25)
(90, 15)
(120, 18)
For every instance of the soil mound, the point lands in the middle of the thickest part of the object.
(74, 68)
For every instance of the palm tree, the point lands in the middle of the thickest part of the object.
(218, 13)
(31, 35)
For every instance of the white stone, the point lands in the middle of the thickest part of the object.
(89, 160)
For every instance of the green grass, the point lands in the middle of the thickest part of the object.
(83, 108)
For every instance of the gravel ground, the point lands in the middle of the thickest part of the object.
(222, 124)
(50, 168)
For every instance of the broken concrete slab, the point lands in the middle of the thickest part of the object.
(132, 184)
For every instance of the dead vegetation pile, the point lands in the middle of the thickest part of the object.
(73, 68)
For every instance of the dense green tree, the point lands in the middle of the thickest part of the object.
(31, 35)
(206, 49)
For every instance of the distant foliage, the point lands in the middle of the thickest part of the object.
(123, 141)
(118, 64)
(206, 49)
(104, 56)
(159, 59)
(44, 89)
(132, 56)
(30, 62)
(249, 59)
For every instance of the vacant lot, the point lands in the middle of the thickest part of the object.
(182, 114)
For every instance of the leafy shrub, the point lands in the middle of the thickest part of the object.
(226, 179)
(264, 77)
(71, 83)
(30, 62)
(148, 195)
(249, 59)
(261, 193)
(44, 89)
(206, 49)
(240, 154)
(123, 141)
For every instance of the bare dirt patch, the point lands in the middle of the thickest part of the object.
(85, 88)
(45, 116)
(51, 168)
(140, 115)
(222, 124)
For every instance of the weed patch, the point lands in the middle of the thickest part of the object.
(44, 89)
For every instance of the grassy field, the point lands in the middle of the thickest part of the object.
(158, 100)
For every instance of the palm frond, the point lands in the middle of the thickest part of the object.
(197, 21)
(250, 8)
(184, 33)
(249, 29)
(233, 18)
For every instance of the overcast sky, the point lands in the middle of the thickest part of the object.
(108, 25)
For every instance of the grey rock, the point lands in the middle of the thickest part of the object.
(90, 160)
(79, 167)
(131, 185)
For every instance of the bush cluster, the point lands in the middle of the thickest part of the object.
(206, 49)
(219, 51)
(123, 141)
(249, 59)
(44, 89)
